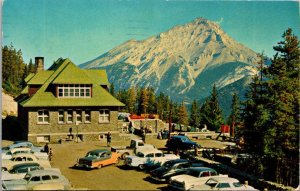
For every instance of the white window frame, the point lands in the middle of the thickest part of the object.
(68, 115)
(59, 116)
(44, 115)
(87, 114)
(78, 116)
(77, 91)
(104, 116)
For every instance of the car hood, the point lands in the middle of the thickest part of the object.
(15, 182)
(159, 171)
(184, 178)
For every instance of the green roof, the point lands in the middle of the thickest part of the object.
(64, 71)
(40, 77)
(29, 77)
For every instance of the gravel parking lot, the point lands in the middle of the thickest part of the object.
(114, 177)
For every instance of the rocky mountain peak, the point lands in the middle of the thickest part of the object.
(184, 61)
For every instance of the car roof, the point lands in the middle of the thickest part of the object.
(25, 164)
(24, 155)
(177, 161)
(179, 136)
(224, 179)
(43, 172)
(100, 151)
(202, 168)
(20, 148)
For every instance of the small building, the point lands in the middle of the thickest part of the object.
(66, 102)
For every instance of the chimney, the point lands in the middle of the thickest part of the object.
(39, 64)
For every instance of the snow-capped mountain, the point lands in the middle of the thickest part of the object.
(183, 62)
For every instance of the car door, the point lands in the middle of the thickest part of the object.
(34, 180)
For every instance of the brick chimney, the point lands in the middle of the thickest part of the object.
(39, 64)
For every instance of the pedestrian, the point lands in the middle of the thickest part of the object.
(159, 135)
(108, 137)
(46, 148)
(144, 135)
(50, 154)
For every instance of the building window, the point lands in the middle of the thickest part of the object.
(74, 90)
(70, 116)
(43, 117)
(61, 117)
(87, 116)
(103, 116)
(78, 116)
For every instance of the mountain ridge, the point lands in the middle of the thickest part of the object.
(183, 62)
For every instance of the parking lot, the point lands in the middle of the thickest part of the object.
(114, 177)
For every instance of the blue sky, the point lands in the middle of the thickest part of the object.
(84, 29)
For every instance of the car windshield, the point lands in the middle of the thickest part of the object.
(139, 154)
(168, 164)
(237, 184)
(27, 177)
(194, 173)
(211, 182)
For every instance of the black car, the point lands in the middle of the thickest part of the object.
(180, 142)
(172, 168)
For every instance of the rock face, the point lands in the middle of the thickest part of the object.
(183, 62)
(9, 106)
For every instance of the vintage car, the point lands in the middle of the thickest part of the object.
(148, 157)
(98, 158)
(22, 158)
(194, 176)
(222, 183)
(8, 154)
(172, 168)
(181, 142)
(19, 171)
(37, 177)
(28, 144)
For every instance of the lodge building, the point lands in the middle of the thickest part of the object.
(66, 102)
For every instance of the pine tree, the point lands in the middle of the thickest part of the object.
(112, 89)
(234, 118)
(131, 100)
(182, 115)
(194, 116)
(211, 113)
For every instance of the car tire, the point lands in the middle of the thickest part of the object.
(100, 166)
(124, 155)
(141, 167)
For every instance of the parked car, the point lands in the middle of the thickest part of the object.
(148, 157)
(180, 142)
(194, 176)
(222, 183)
(28, 144)
(37, 177)
(133, 148)
(8, 154)
(22, 158)
(98, 158)
(20, 170)
(172, 168)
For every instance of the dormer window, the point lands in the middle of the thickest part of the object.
(74, 90)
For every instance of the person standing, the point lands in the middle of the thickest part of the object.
(46, 148)
(144, 135)
(108, 138)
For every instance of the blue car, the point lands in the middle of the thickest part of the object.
(180, 142)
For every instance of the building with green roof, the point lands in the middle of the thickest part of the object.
(66, 102)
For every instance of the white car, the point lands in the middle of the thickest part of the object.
(27, 144)
(22, 158)
(8, 154)
(37, 177)
(194, 176)
(147, 157)
(222, 183)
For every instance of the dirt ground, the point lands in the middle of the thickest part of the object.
(114, 177)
